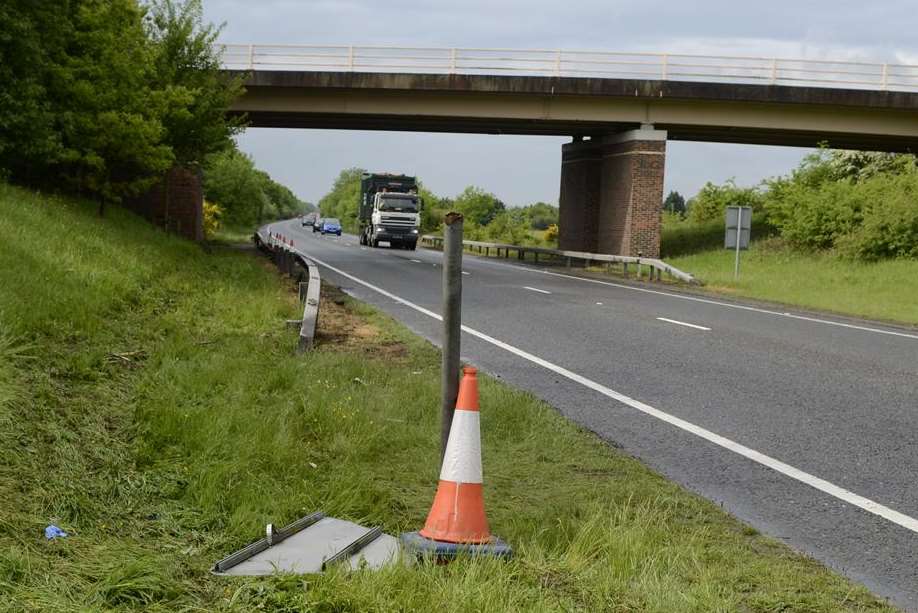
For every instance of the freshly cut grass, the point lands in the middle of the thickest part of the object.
(885, 290)
(159, 415)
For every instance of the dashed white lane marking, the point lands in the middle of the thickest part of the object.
(535, 289)
(466, 273)
(729, 305)
(416, 261)
(598, 304)
(891, 515)
(682, 323)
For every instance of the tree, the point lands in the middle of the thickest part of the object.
(105, 107)
(195, 92)
(478, 206)
(674, 203)
(32, 37)
(230, 180)
(343, 199)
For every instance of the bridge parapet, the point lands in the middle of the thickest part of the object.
(574, 63)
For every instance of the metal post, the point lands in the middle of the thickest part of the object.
(452, 322)
(739, 233)
(251, 57)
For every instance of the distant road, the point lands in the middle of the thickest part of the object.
(804, 426)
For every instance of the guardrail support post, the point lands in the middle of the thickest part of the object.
(452, 322)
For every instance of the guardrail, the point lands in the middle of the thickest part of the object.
(574, 63)
(309, 294)
(292, 262)
(656, 266)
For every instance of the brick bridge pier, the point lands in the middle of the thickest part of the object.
(612, 193)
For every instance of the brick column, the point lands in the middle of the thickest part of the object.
(579, 199)
(612, 193)
(176, 203)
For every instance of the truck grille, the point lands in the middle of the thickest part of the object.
(396, 222)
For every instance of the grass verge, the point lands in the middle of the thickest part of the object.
(151, 405)
(886, 290)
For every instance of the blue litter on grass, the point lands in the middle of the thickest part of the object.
(52, 532)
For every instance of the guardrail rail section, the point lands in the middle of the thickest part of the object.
(655, 265)
(292, 262)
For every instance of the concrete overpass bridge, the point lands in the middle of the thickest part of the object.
(619, 109)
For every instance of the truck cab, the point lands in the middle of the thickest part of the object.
(390, 211)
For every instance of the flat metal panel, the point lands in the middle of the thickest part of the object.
(305, 551)
(732, 214)
(730, 239)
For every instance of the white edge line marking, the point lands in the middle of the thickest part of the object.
(415, 261)
(535, 289)
(682, 323)
(742, 307)
(466, 273)
(813, 481)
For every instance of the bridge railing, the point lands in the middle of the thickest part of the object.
(655, 266)
(574, 63)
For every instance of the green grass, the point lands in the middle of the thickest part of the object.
(152, 406)
(885, 290)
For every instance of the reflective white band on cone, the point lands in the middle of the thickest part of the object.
(462, 460)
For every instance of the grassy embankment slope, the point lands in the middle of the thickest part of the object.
(887, 289)
(151, 405)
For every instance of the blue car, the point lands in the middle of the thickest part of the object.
(331, 226)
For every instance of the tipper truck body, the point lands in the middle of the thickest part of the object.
(389, 210)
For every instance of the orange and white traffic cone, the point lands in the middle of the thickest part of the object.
(457, 523)
(458, 513)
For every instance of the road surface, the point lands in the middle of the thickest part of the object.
(805, 426)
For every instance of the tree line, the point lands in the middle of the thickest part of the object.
(858, 205)
(100, 97)
(486, 216)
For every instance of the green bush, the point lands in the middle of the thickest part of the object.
(711, 200)
(874, 218)
(890, 221)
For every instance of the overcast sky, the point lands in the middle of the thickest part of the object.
(524, 169)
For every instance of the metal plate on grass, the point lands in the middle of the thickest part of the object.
(305, 551)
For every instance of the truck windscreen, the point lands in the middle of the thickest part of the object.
(400, 205)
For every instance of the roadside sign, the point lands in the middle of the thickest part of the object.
(739, 229)
(738, 216)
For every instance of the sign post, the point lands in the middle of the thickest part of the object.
(739, 228)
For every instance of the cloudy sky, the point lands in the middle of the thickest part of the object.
(522, 169)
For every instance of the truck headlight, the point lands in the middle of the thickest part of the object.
(415, 231)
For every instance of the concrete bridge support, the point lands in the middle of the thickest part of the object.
(612, 193)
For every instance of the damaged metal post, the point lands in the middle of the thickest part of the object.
(452, 321)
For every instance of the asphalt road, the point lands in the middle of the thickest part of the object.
(805, 426)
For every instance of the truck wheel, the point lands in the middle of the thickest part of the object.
(374, 243)
(412, 246)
